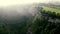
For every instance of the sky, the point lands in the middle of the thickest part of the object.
(14, 2)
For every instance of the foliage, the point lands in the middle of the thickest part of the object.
(32, 25)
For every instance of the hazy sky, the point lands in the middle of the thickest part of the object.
(14, 2)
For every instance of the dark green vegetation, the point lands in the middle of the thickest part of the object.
(32, 25)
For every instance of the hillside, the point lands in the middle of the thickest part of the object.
(29, 19)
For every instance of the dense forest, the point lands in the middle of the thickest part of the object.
(36, 24)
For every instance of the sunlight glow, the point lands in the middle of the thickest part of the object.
(14, 2)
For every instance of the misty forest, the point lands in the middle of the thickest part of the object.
(35, 18)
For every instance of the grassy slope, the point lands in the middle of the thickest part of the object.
(51, 9)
